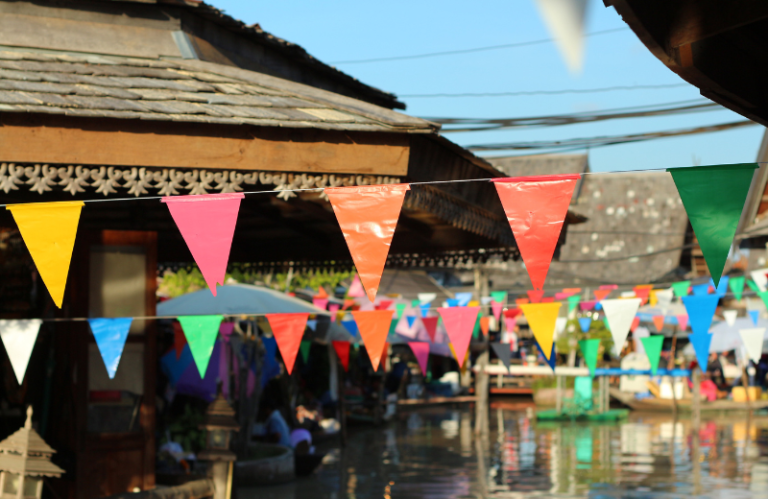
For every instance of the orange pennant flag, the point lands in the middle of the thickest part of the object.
(368, 216)
(600, 294)
(288, 329)
(485, 323)
(658, 321)
(535, 296)
(522, 301)
(321, 293)
(374, 327)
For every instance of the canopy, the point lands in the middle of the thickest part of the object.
(726, 338)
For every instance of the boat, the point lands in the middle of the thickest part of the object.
(305, 464)
(266, 464)
(592, 417)
(655, 404)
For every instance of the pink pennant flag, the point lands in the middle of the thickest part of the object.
(548, 299)
(320, 302)
(510, 323)
(421, 351)
(535, 295)
(333, 307)
(682, 322)
(459, 323)
(587, 305)
(496, 307)
(609, 287)
(561, 296)
(356, 288)
(430, 324)
(207, 224)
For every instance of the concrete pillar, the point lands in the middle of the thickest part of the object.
(220, 476)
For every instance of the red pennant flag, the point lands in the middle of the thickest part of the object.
(642, 293)
(348, 303)
(536, 208)
(421, 351)
(635, 324)
(535, 296)
(658, 321)
(207, 224)
(368, 216)
(459, 323)
(384, 304)
(511, 313)
(547, 299)
(600, 294)
(342, 351)
(179, 339)
(485, 323)
(374, 327)
(288, 329)
(430, 324)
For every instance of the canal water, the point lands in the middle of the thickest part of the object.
(432, 453)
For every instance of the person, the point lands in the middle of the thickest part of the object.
(275, 427)
(715, 371)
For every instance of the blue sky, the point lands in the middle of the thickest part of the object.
(342, 30)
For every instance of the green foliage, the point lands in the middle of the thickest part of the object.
(185, 430)
(570, 338)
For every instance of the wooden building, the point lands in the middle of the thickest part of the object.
(150, 98)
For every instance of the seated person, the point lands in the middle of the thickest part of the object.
(276, 429)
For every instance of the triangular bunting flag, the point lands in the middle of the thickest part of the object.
(754, 315)
(304, 348)
(321, 293)
(652, 345)
(535, 296)
(342, 352)
(565, 20)
(536, 208)
(421, 351)
(496, 307)
(681, 288)
(571, 291)
(587, 305)
(542, 318)
(288, 329)
(399, 309)
(552, 360)
(476, 329)
(620, 314)
(701, 310)
(701, 343)
(700, 289)
(664, 297)
(333, 308)
(426, 298)
(374, 327)
(179, 340)
(503, 352)
(682, 322)
(763, 296)
(368, 216)
(49, 231)
(110, 335)
(430, 324)
(424, 309)
(722, 288)
(522, 301)
(320, 302)
(658, 321)
(730, 316)
(753, 339)
(458, 324)
(201, 332)
(753, 285)
(499, 296)
(573, 302)
(714, 198)
(355, 289)
(585, 323)
(207, 224)
(451, 302)
(511, 313)
(384, 304)
(642, 293)
(351, 327)
(384, 355)
(19, 337)
(485, 325)
(312, 324)
(737, 286)
(589, 349)
(349, 302)
(410, 319)
(463, 298)
(635, 324)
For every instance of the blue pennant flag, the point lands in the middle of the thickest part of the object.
(351, 326)
(598, 306)
(424, 309)
(552, 359)
(701, 310)
(452, 302)
(701, 342)
(722, 288)
(110, 337)
(312, 324)
(585, 323)
(464, 298)
(755, 315)
(700, 289)
(410, 320)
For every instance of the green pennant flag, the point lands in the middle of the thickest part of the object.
(681, 288)
(415, 303)
(201, 332)
(737, 286)
(763, 296)
(607, 326)
(392, 327)
(573, 302)
(400, 308)
(589, 350)
(304, 349)
(714, 198)
(476, 330)
(498, 296)
(753, 286)
(652, 345)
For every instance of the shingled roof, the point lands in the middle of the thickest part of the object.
(181, 90)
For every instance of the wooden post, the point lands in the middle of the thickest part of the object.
(559, 393)
(481, 376)
(696, 403)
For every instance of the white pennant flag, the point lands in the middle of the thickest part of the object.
(425, 298)
(565, 20)
(19, 337)
(664, 297)
(620, 314)
(730, 316)
(753, 341)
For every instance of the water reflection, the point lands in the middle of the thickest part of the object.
(433, 453)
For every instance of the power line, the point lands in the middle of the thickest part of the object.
(607, 141)
(472, 50)
(489, 124)
(547, 92)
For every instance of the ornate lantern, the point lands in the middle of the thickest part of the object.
(25, 459)
(219, 422)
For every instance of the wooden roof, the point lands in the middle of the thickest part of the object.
(715, 45)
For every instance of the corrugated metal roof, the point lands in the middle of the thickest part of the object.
(182, 90)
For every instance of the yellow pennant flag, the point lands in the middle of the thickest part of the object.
(542, 318)
(49, 231)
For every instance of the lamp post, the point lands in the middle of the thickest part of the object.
(25, 459)
(219, 423)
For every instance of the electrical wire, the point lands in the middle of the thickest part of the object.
(472, 50)
(546, 92)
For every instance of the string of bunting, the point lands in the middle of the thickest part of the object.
(535, 206)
